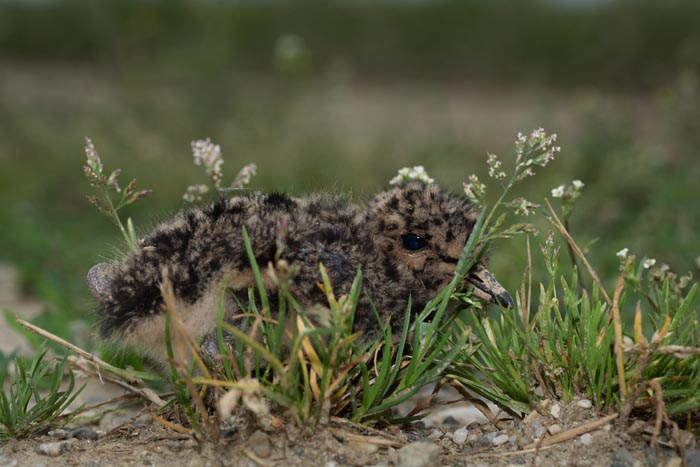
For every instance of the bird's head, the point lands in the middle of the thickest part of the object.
(425, 229)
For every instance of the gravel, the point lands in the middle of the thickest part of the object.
(419, 454)
(585, 404)
(460, 436)
(85, 433)
(259, 443)
(555, 411)
(53, 449)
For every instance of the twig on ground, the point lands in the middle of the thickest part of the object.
(366, 428)
(257, 459)
(574, 432)
(381, 441)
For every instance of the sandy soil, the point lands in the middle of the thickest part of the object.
(140, 441)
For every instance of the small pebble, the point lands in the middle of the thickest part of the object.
(622, 458)
(501, 439)
(419, 454)
(585, 404)
(59, 433)
(460, 436)
(259, 443)
(53, 449)
(687, 439)
(554, 429)
(435, 434)
(693, 457)
(449, 420)
(367, 448)
(586, 439)
(539, 430)
(85, 433)
(555, 410)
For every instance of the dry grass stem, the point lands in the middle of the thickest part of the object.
(381, 441)
(144, 392)
(172, 426)
(554, 220)
(574, 432)
(617, 328)
(120, 377)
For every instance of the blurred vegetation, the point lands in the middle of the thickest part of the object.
(620, 44)
(338, 96)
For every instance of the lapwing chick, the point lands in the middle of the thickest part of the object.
(406, 241)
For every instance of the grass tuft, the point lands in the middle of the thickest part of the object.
(34, 398)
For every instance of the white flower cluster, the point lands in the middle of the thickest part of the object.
(194, 193)
(537, 148)
(244, 176)
(208, 154)
(572, 191)
(522, 206)
(647, 263)
(94, 163)
(495, 170)
(412, 174)
(475, 190)
(558, 192)
(622, 254)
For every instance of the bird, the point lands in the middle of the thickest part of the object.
(406, 240)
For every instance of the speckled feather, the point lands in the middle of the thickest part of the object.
(203, 249)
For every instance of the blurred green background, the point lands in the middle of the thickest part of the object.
(339, 96)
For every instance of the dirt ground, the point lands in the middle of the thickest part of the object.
(587, 439)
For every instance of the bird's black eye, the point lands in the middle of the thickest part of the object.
(412, 242)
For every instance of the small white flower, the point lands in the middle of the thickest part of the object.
(194, 193)
(558, 192)
(407, 174)
(622, 254)
(522, 207)
(578, 184)
(649, 263)
(495, 167)
(208, 154)
(474, 190)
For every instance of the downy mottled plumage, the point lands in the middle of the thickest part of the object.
(406, 240)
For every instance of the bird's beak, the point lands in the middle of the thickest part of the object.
(487, 288)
